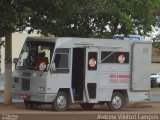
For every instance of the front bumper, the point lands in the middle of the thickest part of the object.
(38, 97)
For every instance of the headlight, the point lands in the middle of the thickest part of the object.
(42, 89)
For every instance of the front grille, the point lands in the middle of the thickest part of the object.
(25, 84)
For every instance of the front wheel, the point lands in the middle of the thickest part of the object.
(61, 102)
(117, 101)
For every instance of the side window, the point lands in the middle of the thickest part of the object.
(92, 61)
(114, 57)
(122, 57)
(61, 60)
(107, 57)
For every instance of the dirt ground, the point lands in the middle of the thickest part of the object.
(76, 113)
(145, 106)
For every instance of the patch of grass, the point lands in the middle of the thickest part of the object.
(155, 90)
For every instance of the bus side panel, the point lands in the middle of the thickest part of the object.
(141, 65)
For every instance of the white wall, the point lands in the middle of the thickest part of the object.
(17, 43)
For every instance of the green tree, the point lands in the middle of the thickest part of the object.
(84, 18)
(13, 17)
(94, 18)
(157, 38)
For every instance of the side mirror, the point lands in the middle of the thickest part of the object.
(15, 60)
(53, 67)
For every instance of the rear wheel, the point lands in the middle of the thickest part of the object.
(117, 101)
(87, 106)
(154, 83)
(61, 102)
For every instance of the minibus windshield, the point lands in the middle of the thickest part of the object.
(35, 55)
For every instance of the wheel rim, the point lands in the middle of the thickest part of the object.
(116, 102)
(61, 102)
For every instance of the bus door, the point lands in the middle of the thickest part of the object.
(78, 73)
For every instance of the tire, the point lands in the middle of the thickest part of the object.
(61, 102)
(117, 102)
(87, 106)
(154, 84)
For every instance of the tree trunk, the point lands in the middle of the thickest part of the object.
(8, 68)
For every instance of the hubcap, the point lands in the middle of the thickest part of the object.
(117, 102)
(61, 102)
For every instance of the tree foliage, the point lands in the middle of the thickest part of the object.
(157, 38)
(79, 18)
(13, 16)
